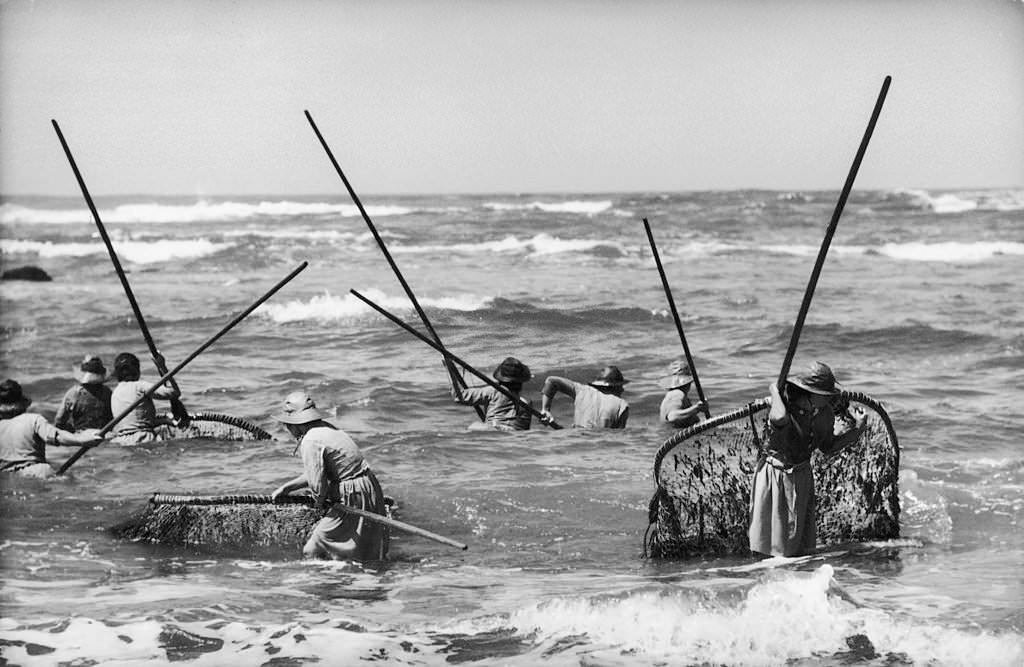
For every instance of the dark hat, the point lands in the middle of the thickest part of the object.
(611, 376)
(299, 408)
(512, 370)
(678, 375)
(91, 370)
(12, 401)
(817, 379)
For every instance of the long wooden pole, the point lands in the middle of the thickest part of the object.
(457, 380)
(847, 186)
(162, 499)
(177, 407)
(170, 374)
(675, 316)
(448, 355)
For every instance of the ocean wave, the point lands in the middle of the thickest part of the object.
(538, 245)
(137, 252)
(202, 211)
(582, 207)
(950, 251)
(961, 201)
(328, 307)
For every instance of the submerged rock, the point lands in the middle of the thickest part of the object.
(33, 273)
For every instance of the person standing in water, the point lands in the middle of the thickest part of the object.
(336, 474)
(25, 435)
(598, 404)
(501, 412)
(782, 504)
(87, 404)
(142, 425)
(676, 408)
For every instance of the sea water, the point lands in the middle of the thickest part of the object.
(918, 305)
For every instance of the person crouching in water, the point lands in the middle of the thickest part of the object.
(336, 474)
(501, 412)
(25, 435)
(87, 404)
(782, 505)
(142, 424)
(676, 408)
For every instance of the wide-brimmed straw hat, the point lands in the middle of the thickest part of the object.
(817, 379)
(91, 371)
(12, 401)
(512, 370)
(678, 375)
(611, 376)
(299, 408)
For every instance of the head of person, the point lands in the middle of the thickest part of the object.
(91, 371)
(678, 376)
(609, 381)
(512, 373)
(812, 391)
(299, 413)
(13, 401)
(126, 367)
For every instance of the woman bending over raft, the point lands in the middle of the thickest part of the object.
(142, 425)
(782, 514)
(336, 473)
(501, 412)
(25, 435)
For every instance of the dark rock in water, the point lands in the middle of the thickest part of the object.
(182, 645)
(33, 273)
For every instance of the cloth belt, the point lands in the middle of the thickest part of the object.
(785, 466)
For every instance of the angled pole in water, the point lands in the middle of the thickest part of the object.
(675, 316)
(177, 407)
(449, 356)
(843, 195)
(170, 374)
(458, 383)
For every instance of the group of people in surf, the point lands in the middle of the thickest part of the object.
(86, 408)
(782, 516)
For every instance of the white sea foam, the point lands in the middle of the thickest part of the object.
(202, 211)
(137, 252)
(540, 244)
(582, 207)
(950, 251)
(329, 307)
(812, 250)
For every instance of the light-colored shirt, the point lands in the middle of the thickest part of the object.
(329, 457)
(143, 417)
(500, 411)
(677, 400)
(595, 409)
(23, 440)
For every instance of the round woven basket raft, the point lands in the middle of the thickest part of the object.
(703, 476)
(219, 427)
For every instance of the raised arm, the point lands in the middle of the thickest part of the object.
(552, 385)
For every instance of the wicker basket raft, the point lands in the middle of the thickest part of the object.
(219, 427)
(227, 522)
(703, 476)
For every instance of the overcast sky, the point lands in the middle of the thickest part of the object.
(205, 97)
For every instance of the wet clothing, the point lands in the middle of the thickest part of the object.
(337, 473)
(595, 409)
(676, 399)
(782, 513)
(23, 441)
(84, 406)
(141, 425)
(500, 411)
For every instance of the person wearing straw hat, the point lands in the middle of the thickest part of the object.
(782, 505)
(25, 435)
(676, 408)
(142, 424)
(87, 404)
(336, 474)
(598, 404)
(500, 411)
